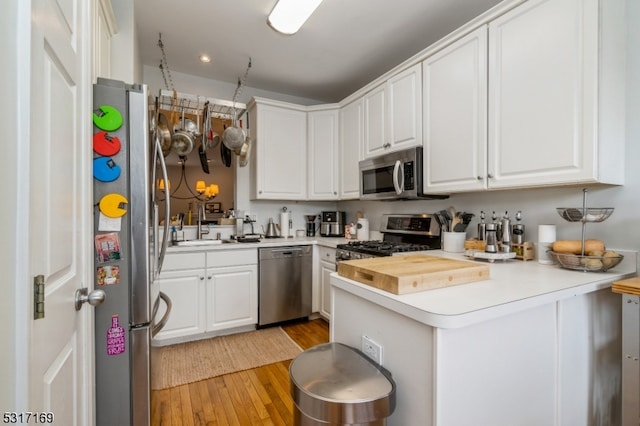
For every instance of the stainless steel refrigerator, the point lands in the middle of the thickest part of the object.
(128, 252)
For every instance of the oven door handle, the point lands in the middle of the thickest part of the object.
(398, 177)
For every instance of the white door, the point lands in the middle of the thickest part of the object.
(60, 207)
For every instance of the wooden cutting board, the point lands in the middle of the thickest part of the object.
(412, 273)
(628, 286)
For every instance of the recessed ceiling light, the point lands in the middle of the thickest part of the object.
(288, 16)
(205, 58)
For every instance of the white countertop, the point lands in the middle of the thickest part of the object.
(265, 242)
(514, 285)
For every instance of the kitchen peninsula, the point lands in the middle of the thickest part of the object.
(533, 345)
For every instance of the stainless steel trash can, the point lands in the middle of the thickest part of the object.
(334, 384)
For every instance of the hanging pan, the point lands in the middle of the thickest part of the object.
(201, 151)
(225, 154)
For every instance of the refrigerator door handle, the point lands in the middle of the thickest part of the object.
(167, 204)
(163, 321)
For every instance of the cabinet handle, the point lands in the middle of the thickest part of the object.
(490, 176)
(479, 177)
(386, 145)
(209, 277)
(201, 278)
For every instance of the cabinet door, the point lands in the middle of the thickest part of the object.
(323, 155)
(281, 154)
(542, 71)
(185, 288)
(351, 140)
(375, 126)
(326, 268)
(232, 297)
(455, 116)
(405, 108)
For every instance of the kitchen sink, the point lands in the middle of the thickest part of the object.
(194, 243)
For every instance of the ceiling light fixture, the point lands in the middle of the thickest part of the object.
(288, 16)
(205, 58)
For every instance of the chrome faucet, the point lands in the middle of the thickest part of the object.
(201, 217)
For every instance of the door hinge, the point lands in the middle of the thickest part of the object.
(38, 297)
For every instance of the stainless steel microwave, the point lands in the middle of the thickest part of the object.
(394, 176)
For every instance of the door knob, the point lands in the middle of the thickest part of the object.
(96, 297)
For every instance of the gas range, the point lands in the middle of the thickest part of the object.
(402, 233)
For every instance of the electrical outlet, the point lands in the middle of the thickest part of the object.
(372, 349)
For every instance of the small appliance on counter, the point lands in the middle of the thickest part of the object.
(332, 224)
(311, 224)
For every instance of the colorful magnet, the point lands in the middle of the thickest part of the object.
(108, 275)
(107, 247)
(116, 344)
(105, 169)
(106, 145)
(107, 118)
(111, 205)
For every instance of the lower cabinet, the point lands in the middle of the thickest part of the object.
(218, 291)
(327, 258)
(186, 290)
(232, 297)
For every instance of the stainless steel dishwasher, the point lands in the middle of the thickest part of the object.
(284, 284)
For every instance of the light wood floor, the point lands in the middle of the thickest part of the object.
(252, 397)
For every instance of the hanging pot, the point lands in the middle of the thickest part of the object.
(164, 134)
(182, 141)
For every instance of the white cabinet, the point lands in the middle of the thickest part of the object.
(279, 163)
(232, 297)
(455, 115)
(322, 144)
(351, 141)
(182, 279)
(556, 95)
(232, 289)
(210, 292)
(327, 260)
(393, 113)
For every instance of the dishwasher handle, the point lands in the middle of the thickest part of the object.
(285, 252)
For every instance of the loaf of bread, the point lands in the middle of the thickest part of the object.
(575, 246)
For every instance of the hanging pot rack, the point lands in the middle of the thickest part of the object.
(194, 104)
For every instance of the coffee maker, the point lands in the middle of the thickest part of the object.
(311, 224)
(332, 224)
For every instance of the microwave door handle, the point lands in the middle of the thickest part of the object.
(398, 177)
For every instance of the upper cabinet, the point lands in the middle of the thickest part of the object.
(393, 113)
(551, 92)
(455, 115)
(351, 141)
(279, 166)
(322, 161)
(554, 92)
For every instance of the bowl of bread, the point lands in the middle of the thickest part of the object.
(595, 257)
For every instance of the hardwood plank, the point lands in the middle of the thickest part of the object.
(260, 396)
